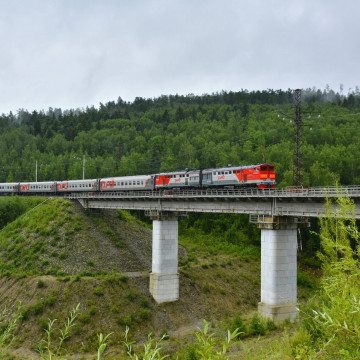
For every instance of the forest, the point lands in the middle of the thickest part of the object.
(177, 131)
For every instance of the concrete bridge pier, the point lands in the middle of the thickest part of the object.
(279, 267)
(164, 278)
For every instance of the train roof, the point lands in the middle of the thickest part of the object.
(225, 168)
(37, 182)
(180, 172)
(77, 181)
(126, 178)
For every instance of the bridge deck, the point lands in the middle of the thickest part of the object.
(298, 202)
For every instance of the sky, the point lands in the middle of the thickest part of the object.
(77, 53)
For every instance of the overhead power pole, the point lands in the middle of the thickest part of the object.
(298, 151)
(83, 167)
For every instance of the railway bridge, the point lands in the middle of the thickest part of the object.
(278, 213)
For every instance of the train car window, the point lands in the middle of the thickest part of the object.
(271, 168)
(138, 182)
(122, 183)
(264, 168)
(256, 169)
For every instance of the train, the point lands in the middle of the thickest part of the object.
(260, 176)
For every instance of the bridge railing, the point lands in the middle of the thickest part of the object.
(290, 192)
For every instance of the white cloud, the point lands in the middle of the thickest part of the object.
(70, 54)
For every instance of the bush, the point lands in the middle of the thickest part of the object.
(238, 323)
(38, 308)
(98, 291)
(257, 325)
(84, 318)
(304, 279)
(40, 284)
(333, 314)
(92, 310)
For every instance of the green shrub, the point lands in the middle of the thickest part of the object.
(92, 310)
(206, 288)
(131, 295)
(145, 303)
(304, 279)
(144, 314)
(40, 284)
(24, 315)
(123, 278)
(90, 263)
(77, 227)
(98, 291)
(238, 323)
(300, 339)
(38, 308)
(43, 323)
(257, 325)
(50, 301)
(121, 215)
(84, 318)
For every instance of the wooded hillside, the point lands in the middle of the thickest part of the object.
(175, 132)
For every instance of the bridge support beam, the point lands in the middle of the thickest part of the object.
(279, 268)
(164, 278)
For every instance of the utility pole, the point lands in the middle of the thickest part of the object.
(83, 167)
(298, 151)
(36, 170)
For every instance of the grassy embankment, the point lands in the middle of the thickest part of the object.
(57, 256)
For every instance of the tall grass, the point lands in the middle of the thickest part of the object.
(332, 317)
(8, 323)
